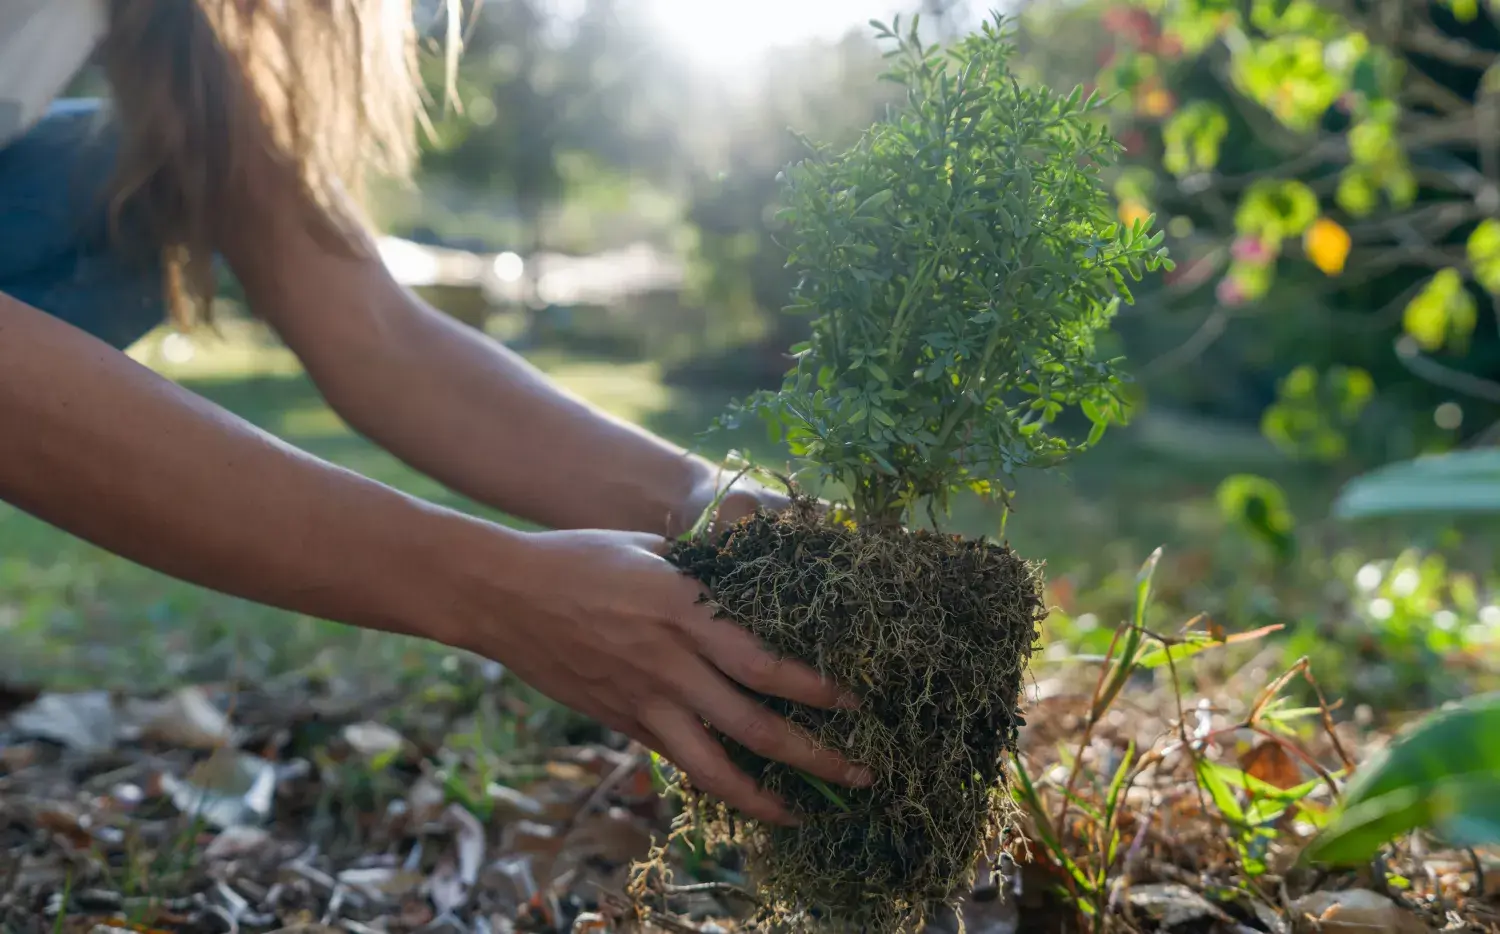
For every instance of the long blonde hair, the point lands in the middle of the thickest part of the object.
(331, 88)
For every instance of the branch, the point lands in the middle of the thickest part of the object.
(1425, 39)
(1425, 90)
(1411, 357)
(1212, 328)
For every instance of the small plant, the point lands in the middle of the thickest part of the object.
(957, 263)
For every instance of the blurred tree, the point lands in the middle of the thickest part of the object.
(827, 93)
(1330, 174)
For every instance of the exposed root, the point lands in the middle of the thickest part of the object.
(934, 632)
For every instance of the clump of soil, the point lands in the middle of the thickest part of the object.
(934, 632)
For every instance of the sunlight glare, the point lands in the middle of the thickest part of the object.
(729, 36)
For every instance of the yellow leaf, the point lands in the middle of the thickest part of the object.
(1132, 211)
(1157, 102)
(1327, 245)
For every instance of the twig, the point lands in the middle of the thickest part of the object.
(704, 888)
(1327, 716)
(1213, 327)
(1410, 355)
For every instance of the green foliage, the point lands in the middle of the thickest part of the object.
(1313, 413)
(1259, 506)
(1274, 210)
(1443, 314)
(1484, 255)
(957, 264)
(1192, 138)
(1443, 775)
(1265, 120)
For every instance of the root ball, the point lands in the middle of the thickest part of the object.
(934, 633)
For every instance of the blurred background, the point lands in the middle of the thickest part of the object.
(601, 196)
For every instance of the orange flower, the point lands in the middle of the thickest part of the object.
(1132, 211)
(1327, 245)
(1158, 102)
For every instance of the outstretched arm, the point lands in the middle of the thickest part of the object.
(454, 404)
(109, 451)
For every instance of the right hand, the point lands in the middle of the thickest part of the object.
(599, 621)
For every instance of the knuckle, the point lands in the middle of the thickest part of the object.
(761, 734)
(759, 669)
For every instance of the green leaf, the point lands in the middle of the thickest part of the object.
(1260, 507)
(1443, 313)
(1219, 791)
(1443, 774)
(1484, 255)
(875, 202)
(1462, 810)
(1195, 642)
(1275, 210)
(1459, 483)
(1126, 659)
(826, 791)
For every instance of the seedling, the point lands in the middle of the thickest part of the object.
(957, 264)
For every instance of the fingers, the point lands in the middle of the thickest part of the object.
(715, 699)
(737, 504)
(740, 655)
(689, 747)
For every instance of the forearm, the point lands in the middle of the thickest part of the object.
(453, 404)
(458, 406)
(108, 451)
(476, 416)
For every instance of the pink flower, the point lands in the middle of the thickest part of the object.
(1250, 250)
(1230, 292)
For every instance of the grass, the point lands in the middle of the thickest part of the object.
(71, 614)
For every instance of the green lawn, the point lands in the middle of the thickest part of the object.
(72, 614)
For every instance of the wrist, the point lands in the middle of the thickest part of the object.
(448, 570)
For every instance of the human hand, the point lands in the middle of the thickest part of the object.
(744, 497)
(599, 621)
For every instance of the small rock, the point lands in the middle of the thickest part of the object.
(84, 722)
(1174, 906)
(371, 739)
(236, 842)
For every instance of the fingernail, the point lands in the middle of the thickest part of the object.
(848, 701)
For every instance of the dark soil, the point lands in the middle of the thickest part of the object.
(934, 632)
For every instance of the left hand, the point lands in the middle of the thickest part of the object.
(745, 496)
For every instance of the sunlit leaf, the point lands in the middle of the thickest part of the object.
(1484, 255)
(1125, 660)
(1219, 791)
(1276, 209)
(1450, 484)
(1195, 642)
(1443, 774)
(1443, 313)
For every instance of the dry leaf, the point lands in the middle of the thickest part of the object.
(1272, 764)
(184, 718)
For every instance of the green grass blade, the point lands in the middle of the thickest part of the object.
(827, 791)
